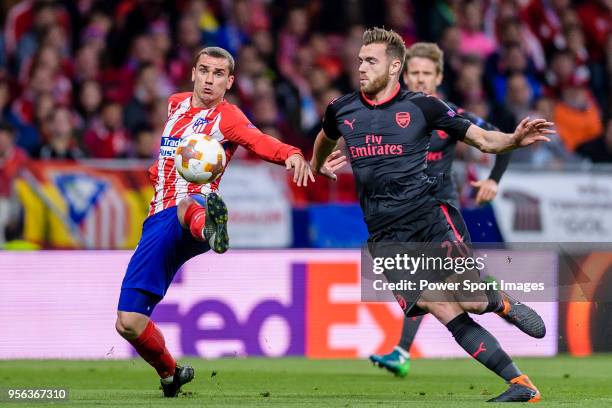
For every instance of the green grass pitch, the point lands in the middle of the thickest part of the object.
(296, 382)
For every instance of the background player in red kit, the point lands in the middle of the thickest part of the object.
(187, 219)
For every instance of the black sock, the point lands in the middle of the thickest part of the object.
(481, 345)
(496, 303)
(409, 330)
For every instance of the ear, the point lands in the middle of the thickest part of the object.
(395, 67)
(193, 74)
(439, 79)
(230, 82)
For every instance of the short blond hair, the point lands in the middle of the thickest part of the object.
(431, 51)
(395, 44)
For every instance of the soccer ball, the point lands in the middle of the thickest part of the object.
(199, 159)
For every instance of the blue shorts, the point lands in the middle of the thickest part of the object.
(163, 247)
(138, 300)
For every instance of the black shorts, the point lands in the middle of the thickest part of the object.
(434, 224)
(437, 221)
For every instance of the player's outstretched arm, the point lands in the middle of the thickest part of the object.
(526, 133)
(238, 129)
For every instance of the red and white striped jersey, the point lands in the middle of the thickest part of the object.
(226, 123)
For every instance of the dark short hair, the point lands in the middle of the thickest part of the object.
(394, 42)
(217, 52)
(7, 127)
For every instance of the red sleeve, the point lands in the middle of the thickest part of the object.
(238, 129)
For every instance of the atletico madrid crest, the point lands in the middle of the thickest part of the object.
(198, 125)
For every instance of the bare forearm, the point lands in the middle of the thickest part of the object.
(323, 147)
(490, 141)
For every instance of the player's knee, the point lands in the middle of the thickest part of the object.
(443, 311)
(182, 209)
(127, 326)
(474, 307)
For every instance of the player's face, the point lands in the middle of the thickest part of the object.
(211, 79)
(421, 75)
(375, 68)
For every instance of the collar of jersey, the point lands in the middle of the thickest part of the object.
(198, 109)
(382, 103)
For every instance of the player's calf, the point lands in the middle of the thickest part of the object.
(206, 218)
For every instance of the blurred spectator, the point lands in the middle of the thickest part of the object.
(544, 19)
(150, 86)
(12, 161)
(266, 114)
(576, 115)
(107, 138)
(450, 44)
(607, 85)
(600, 149)
(473, 39)
(26, 136)
(292, 38)
(89, 102)
(35, 19)
(468, 86)
(40, 83)
(551, 154)
(146, 144)
(248, 67)
(159, 115)
(322, 101)
(596, 17)
(43, 108)
(48, 60)
(87, 64)
(242, 19)
(519, 96)
(561, 72)
(62, 143)
(399, 18)
(188, 44)
(508, 61)
(511, 30)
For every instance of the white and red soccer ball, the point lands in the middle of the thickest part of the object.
(199, 159)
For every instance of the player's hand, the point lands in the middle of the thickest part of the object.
(487, 190)
(301, 169)
(334, 162)
(530, 131)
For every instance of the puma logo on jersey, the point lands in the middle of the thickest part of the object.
(349, 124)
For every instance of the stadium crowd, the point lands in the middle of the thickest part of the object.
(89, 78)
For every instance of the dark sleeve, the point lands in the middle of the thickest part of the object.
(330, 126)
(501, 160)
(475, 119)
(440, 116)
(500, 166)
